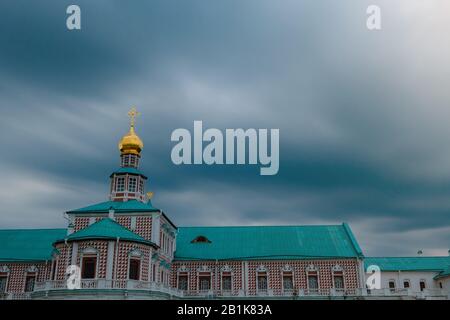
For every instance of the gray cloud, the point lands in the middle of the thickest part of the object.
(362, 116)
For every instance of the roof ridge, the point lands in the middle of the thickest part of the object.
(38, 229)
(270, 226)
(400, 257)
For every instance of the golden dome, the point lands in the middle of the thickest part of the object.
(131, 143)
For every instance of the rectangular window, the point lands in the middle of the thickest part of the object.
(3, 280)
(135, 268)
(54, 265)
(125, 161)
(89, 267)
(226, 282)
(287, 282)
(262, 282)
(183, 282)
(120, 184)
(154, 273)
(338, 282)
(141, 186)
(406, 284)
(132, 184)
(392, 285)
(313, 282)
(29, 282)
(205, 282)
(422, 285)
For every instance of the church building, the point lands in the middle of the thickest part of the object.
(125, 248)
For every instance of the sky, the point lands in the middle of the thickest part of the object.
(363, 115)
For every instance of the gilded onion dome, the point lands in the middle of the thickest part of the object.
(131, 143)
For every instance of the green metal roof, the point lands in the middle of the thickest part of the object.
(267, 242)
(118, 206)
(409, 263)
(28, 244)
(129, 170)
(106, 229)
(443, 274)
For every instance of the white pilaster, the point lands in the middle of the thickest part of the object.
(74, 253)
(110, 260)
(156, 227)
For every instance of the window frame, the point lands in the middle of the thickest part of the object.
(89, 256)
(132, 181)
(118, 184)
(30, 275)
(183, 274)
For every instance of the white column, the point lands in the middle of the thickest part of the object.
(110, 260)
(74, 253)
(156, 226)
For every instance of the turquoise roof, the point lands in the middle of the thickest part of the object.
(409, 263)
(443, 274)
(28, 244)
(129, 170)
(267, 242)
(106, 229)
(118, 206)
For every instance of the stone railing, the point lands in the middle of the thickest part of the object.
(109, 285)
(15, 296)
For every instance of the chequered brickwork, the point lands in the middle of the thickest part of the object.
(144, 227)
(101, 247)
(274, 273)
(63, 259)
(80, 223)
(194, 268)
(122, 260)
(299, 269)
(124, 221)
(18, 272)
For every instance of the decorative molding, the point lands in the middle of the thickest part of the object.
(135, 253)
(226, 268)
(311, 268)
(261, 268)
(204, 268)
(183, 268)
(4, 269)
(286, 268)
(89, 250)
(337, 268)
(32, 268)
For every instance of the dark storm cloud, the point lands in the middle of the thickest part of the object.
(362, 116)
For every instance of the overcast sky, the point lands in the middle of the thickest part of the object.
(363, 116)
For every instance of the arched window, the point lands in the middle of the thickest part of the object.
(201, 239)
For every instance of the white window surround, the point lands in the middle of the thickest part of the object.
(262, 273)
(337, 270)
(132, 184)
(183, 273)
(406, 281)
(288, 273)
(392, 281)
(136, 255)
(90, 252)
(4, 269)
(120, 184)
(32, 269)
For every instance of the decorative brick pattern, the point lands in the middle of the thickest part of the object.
(18, 272)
